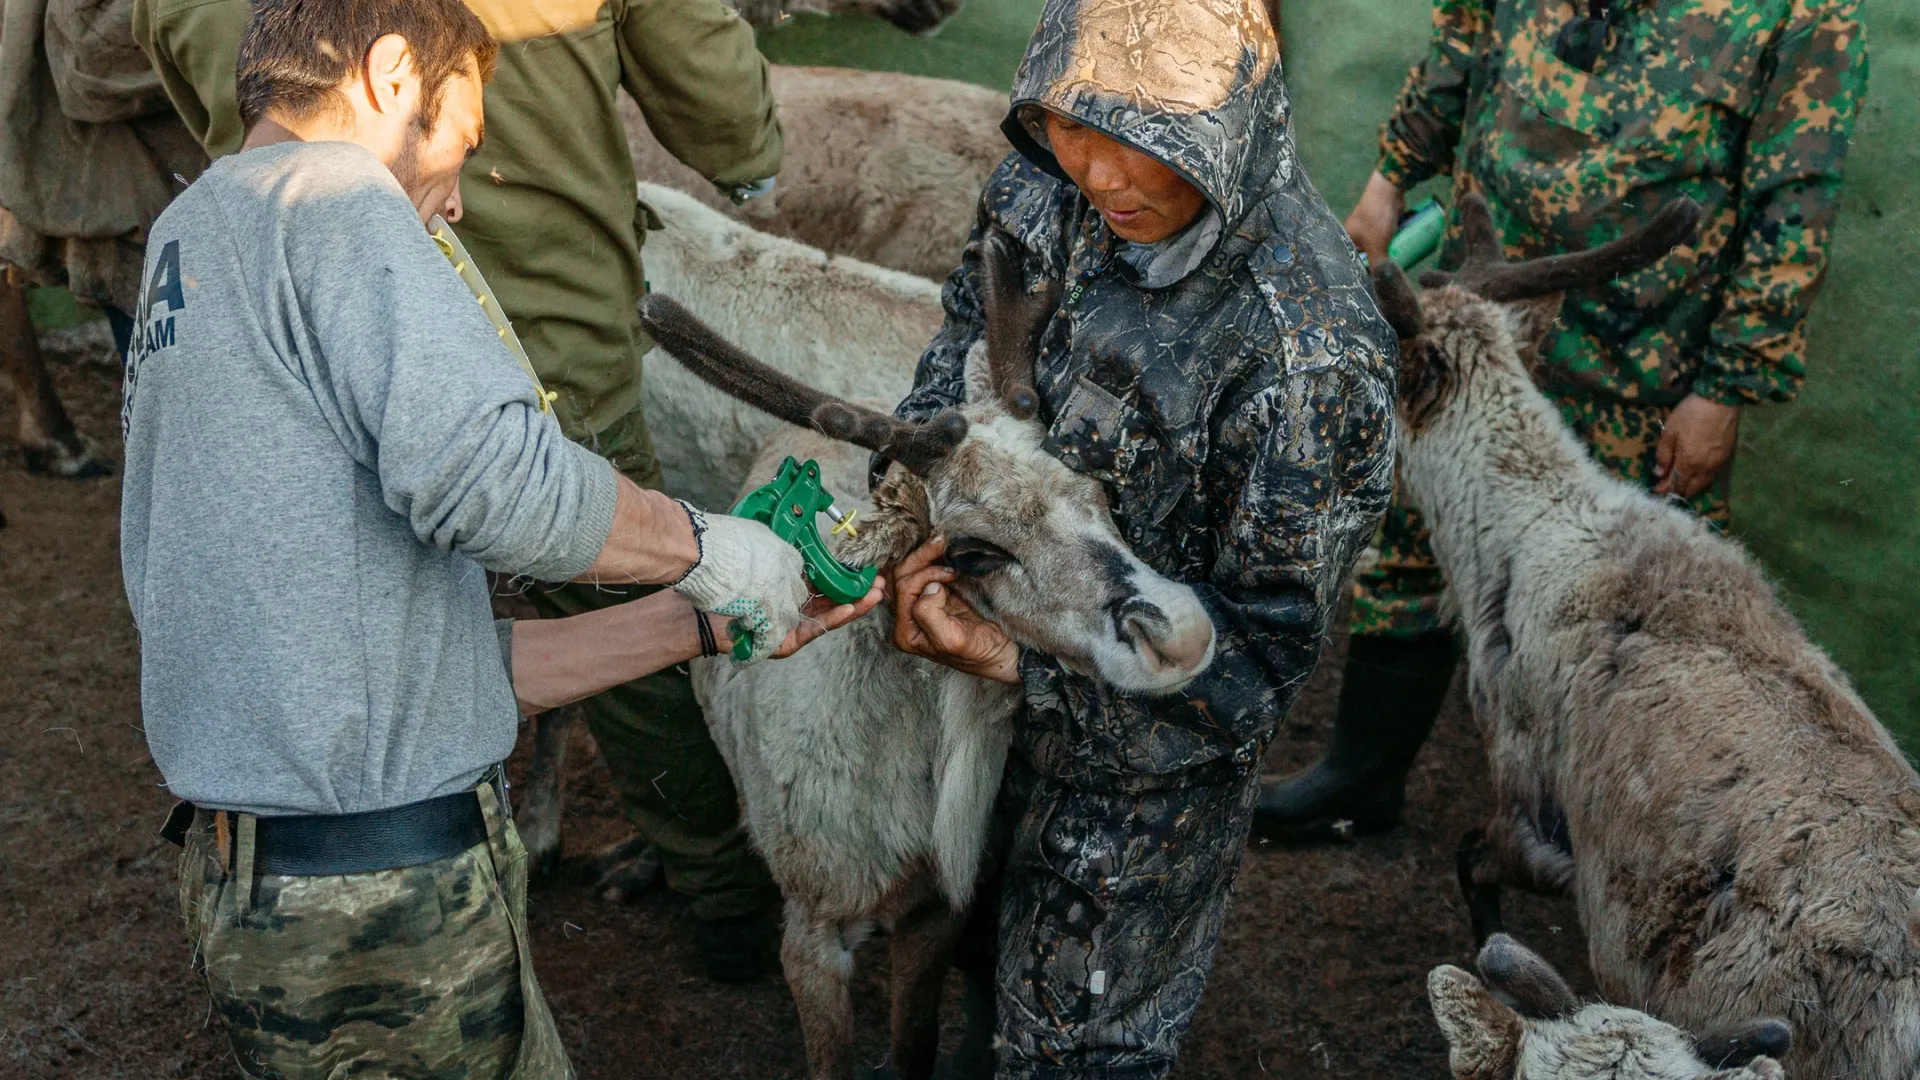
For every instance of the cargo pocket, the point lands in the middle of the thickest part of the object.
(541, 1055)
(1098, 435)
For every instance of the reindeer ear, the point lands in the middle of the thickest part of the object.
(1483, 1036)
(1737, 1046)
(1525, 981)
(900, 521)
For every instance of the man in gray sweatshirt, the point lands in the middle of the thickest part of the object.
(327, 445)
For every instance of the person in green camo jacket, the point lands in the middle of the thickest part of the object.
(551, 219)
(1578, 121)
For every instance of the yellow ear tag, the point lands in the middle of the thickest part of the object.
(846, 525)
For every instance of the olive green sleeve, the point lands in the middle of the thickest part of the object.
(702, 85)
(1419, 139)
(1790, 194)
(194, 46)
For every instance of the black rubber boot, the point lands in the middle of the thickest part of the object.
(1389, 698)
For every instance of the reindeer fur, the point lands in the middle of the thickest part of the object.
(838, 324)
(1741, 835)
(880, 166)
(1501, 1029)
(848, 328)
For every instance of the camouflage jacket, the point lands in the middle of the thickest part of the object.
(1745, 105)
(1240, 418)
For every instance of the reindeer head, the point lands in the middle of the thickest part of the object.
(1032, 540)
(1520, 1021)
(1485, 323)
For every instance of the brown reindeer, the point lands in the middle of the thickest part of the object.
(1740, 833)
(48, 439)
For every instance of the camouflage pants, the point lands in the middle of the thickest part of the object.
(411, 973)
(1400, 595)
(1110, 908)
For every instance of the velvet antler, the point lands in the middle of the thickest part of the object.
(1486, 273)
(719, 362)
(1397, 300)
(1015, 320)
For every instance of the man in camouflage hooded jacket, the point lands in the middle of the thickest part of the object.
(1231, 386)
(1578, 121)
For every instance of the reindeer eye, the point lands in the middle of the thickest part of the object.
(977, 558)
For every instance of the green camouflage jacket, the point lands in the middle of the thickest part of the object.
(1745, 105)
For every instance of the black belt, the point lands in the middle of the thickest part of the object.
(322, 845)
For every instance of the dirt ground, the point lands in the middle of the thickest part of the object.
(1321, 973)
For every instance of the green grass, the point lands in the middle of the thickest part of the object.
(1827, 490)
(982, 44)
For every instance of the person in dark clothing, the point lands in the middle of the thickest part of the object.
(1218, 363)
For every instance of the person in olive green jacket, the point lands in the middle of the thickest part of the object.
(552, 220)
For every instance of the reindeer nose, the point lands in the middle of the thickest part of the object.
(1180, 643)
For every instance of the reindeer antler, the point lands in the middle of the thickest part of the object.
(1015, 320)
(1397, 301)
(722, 364)
(1486, 273)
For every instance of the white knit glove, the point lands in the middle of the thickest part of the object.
(747, 574)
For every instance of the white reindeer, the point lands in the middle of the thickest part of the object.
(1742, 837)
(1520, 1021)
(837, 324)
(880, 166)
(867, 774)
(848, 328)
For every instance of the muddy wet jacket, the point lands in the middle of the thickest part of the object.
(1747, 106)
(1240, 418)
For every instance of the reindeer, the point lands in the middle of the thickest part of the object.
(1520, 1021)
(48, 439)
(880, 166)
(923, 17)
(1740, 833)
(866, 773)
(838, 324)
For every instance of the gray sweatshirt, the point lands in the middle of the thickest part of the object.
(325, 444)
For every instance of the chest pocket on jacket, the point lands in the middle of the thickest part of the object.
(1098, 435)
(1572, 144)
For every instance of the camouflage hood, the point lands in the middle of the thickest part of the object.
(1193, 83)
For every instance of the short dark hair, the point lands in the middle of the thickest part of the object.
(295, 52)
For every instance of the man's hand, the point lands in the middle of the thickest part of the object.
(1376, 217)
(748, 574)
(1695, 446)
(820, 615)
(556, 661)
(930, 621)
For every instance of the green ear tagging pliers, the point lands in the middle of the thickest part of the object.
(787, 505)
